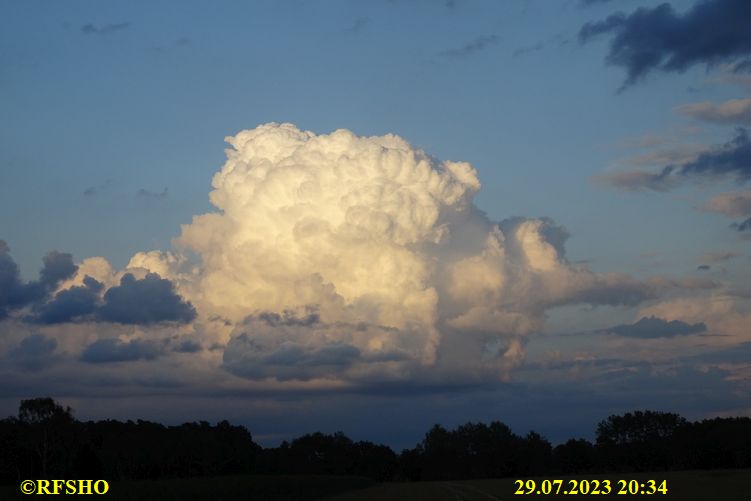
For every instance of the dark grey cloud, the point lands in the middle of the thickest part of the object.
(743, 225)
(147, 301)
(477, 45)
(92, 191)
(295, 355)
(75, 303)
(246, 357)
(16, 294)
(732, 159)
(114, 350)
(587, 3)
(58, 266)
(654, 327)
(306, 318)
(622, 293)
(33, 352)
(91, 29)
(591, 30)
(188, 347)
(710, 32)
(12, 290)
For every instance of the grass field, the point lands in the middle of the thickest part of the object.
(720, 485)
(238, 487)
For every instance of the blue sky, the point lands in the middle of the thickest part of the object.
(113, 123)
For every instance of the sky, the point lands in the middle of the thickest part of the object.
(307, 215)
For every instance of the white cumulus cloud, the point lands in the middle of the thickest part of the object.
(340, 259)
(381, 241)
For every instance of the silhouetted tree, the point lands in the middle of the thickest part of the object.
(374, 461)
(714, 443)
(44, 440)
(535, 455)
(48, 428)
(574, 456)
(410, 464)
(11, 451)
(439, 454)
(640, 441)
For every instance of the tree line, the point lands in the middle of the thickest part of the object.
(45, 441)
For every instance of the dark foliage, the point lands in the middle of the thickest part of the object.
(575, 456)
(639, 441)
(320, 454)
(45, 440)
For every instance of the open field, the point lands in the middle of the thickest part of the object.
(720, 485)
(235, 487)
(723, 485)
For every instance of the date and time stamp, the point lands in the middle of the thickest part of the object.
(590, 487)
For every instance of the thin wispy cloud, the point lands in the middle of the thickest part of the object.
(479, 44)
(588, 3)
(734, 111)
(105, 29)
(94, 190)
(177, 44)
(729, 160)
(733, 204)
(359, 24)
(743, 225)
(521, 51)
(153, 195)
(719, 256)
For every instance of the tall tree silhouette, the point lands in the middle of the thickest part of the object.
(47, 425)
(642, 440)
(574, 456)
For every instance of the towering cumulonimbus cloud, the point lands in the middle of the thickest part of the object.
(332, 259)
(353, 258)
